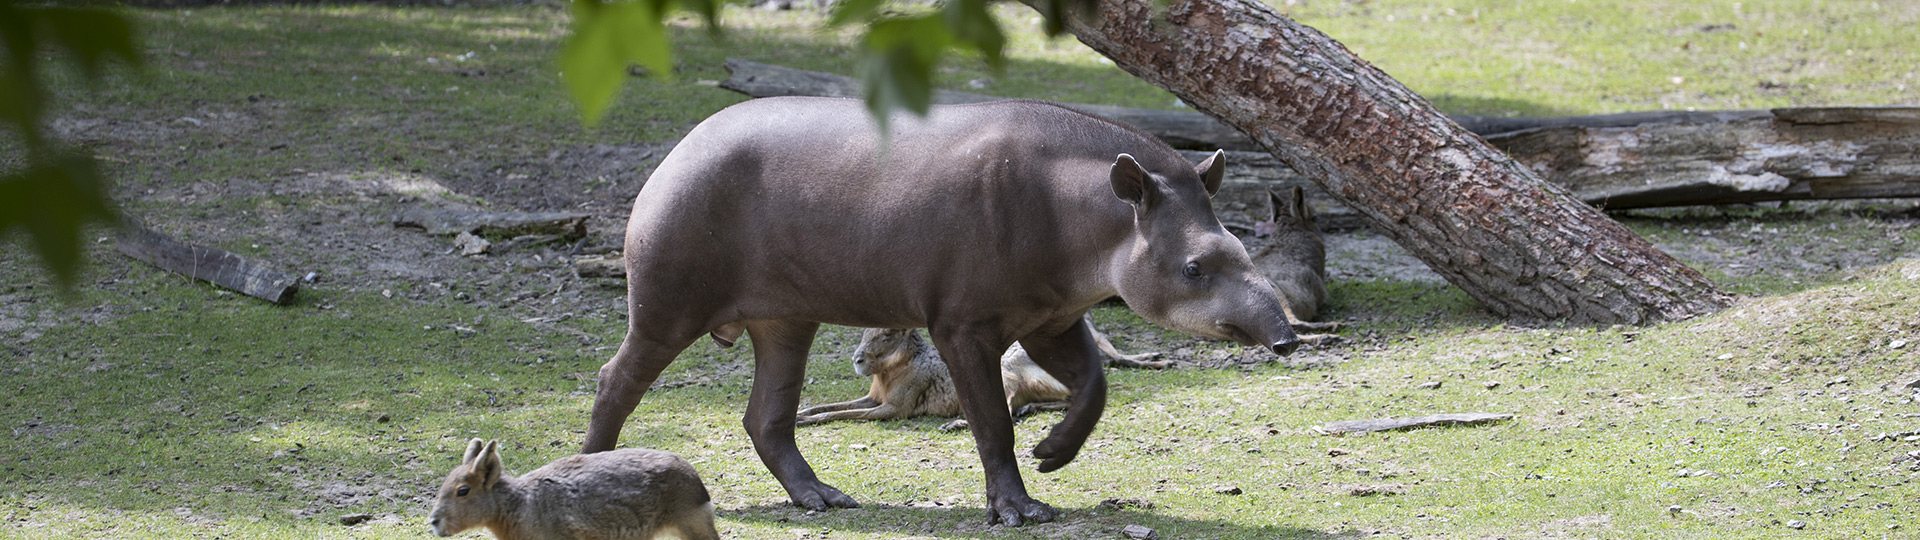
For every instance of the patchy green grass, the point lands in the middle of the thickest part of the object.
(148, 406)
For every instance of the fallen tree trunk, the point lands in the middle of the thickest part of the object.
(1521, 246)
(1615, 161)
(1185, 130)
(1785, 154)
(213, 265)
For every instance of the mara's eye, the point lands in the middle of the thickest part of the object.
(462, 492)
(1192, 270)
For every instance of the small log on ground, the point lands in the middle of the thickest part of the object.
(1385, 424)
(496, 224)
(613, 266)
(216, 266)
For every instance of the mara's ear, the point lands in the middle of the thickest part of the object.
(1276, 207)
(1300, 208)
(473, 451)
(1212, 171)
(1130, 182)
(488, 466)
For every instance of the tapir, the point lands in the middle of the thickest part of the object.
(988, 224)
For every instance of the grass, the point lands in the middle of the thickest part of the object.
(149, 406)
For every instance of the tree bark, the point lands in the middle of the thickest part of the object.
(1524, 248)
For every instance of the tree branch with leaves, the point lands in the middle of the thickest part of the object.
(48, 190)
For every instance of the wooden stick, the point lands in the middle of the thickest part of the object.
(213, 265)
(1384, 424)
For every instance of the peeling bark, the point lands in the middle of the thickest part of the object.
(1522, 247)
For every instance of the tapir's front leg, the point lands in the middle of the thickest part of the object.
(1075, 360)
(973, 358)
(779, 369)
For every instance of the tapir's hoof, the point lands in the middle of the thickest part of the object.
(1014, 513)
(1054, 454)
(821, 497)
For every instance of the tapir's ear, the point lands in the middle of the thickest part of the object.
(1300, 208)
(473, 450)
(1130, 182)
(487, 466)
(1212, 171)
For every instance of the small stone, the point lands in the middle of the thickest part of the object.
(1336, 452)
(858, 447)
(1228, 490)
(1139, 532)
(1915, 383)
(1492, 384)
(355, 519)
(1431, 385)
(383, 419)
(1896, 344)
(1674, 510)
(1796, 524)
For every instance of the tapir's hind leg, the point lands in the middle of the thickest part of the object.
(779, 369)
(1075, 360)
(624, 379)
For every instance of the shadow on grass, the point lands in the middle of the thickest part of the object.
(1099, 521)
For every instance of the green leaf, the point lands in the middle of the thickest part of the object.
(898, 71)
(606, 39)
(852, 11)
(52, 201)
(974, 27)
(709, 11)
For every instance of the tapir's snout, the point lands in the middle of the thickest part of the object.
(1285, 347)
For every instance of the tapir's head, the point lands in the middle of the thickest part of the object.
(1184, 270)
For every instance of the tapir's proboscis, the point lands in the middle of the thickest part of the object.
(987, 224)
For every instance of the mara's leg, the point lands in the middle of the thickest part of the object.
(624, 379)
(1116, 358)
(1074, 359)
(973, 358)
(863, 403)
(779, 369)
(885, 411)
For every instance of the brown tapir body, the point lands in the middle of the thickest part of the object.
(987, 224)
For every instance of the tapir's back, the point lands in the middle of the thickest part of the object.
(788, 208)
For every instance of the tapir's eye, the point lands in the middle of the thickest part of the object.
(462, 492)
(1192, 270)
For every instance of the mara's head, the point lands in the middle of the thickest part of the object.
(1184, 270)
(469, 497)
(882, 349)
